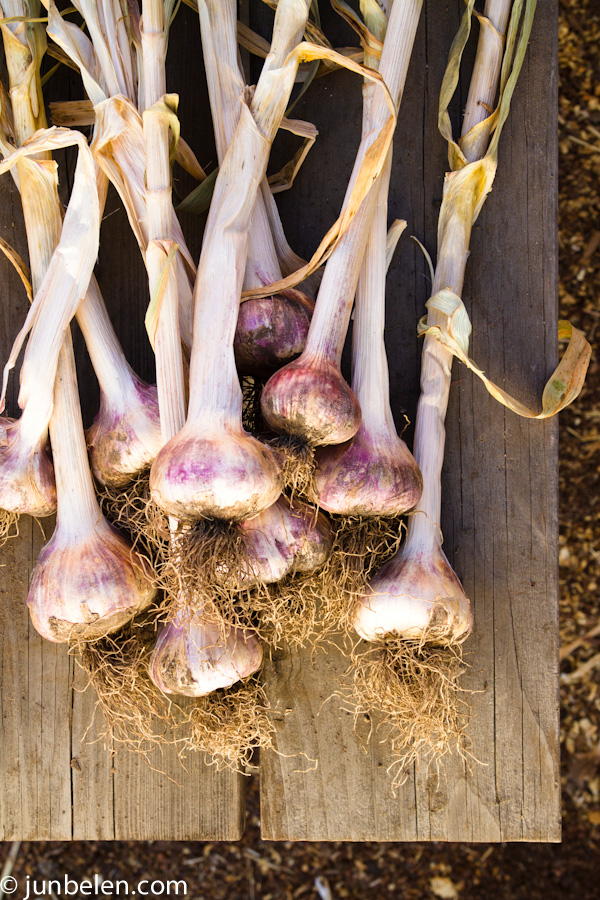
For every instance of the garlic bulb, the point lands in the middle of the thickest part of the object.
(87, 585)
(193, 658)
(374, 474)
(310, 399)
(271, 331)
(125, 436)
(26, 474)
(88, 580)
(212, 467)
(285, 538)
(224, 474)
(413, 593)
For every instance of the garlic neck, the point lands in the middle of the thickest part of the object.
(112, 370)
(78, 512)
(370, 373)
(436, 366)
(226, 86)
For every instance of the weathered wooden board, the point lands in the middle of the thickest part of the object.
(500, 477)
(57, 782)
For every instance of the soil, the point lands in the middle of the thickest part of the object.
(280, 871)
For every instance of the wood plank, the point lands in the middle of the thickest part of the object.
(46, 713)
(500, 480)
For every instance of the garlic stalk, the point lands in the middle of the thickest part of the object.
(270, 331)
(118, 144)
(213, 467)
(308, 397)
(193, 657)
(374, 474)
(88, 580)
(125, 436)
(56, 300)
(417, 591)
(159, 209)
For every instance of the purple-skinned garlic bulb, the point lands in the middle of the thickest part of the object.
(285, 538)
(374, 474)
(125, 435)
(88, 580)
(309, 398)
(271, 331)
(213, 467)
(194, 657)
(222, 473)
(26, 473)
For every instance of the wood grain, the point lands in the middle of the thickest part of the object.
(499, 479)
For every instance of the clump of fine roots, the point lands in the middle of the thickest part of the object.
(136, 714)
(361, 544)
(227, 726)
(206, 565)
(251, 414)
(210, 559)
(414, 687)
(299, 465)
(9, 526)
(131, 510)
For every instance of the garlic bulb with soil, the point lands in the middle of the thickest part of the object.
(88, 580)
(285, 538)
(194, 657)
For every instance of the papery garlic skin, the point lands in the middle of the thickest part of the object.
(285, 539)
(371, 475)
(270, 332)
(27, 485)
(309, 398)
(124, 440)
(85, 587)
(192, 658)
(412, 593)
(226, 474)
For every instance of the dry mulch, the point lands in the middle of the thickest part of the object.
(282, 871)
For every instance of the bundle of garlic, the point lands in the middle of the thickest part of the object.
(415, 613)
(88, 581)
(237, 559)
(124, 437)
